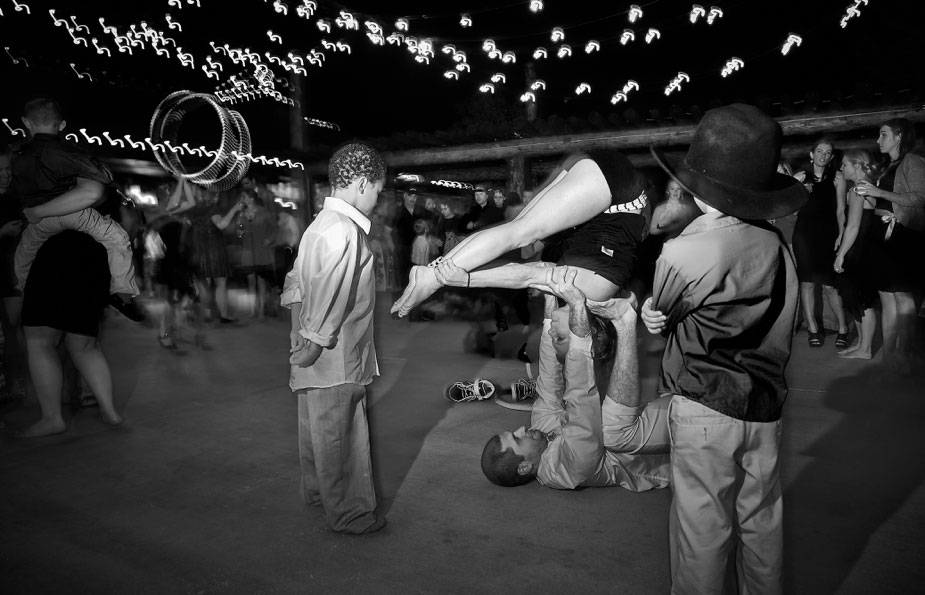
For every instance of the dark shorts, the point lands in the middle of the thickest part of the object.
(623, 180)
(607, 245)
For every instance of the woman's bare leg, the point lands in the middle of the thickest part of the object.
(221, 296)
(261, 297)
(47, 377)
(92, 365)
(889, 325)
(808, 298)
(866, 328)
(571, 199)
(835, 302)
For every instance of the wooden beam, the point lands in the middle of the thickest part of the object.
(627, 140)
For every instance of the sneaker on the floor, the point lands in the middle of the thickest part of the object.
(521, 397)
(462, 392)
(128, 309)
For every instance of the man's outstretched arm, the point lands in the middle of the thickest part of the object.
(506, 276)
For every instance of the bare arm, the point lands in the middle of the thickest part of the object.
(624, 379)
(855, 211)
(223, 222)
(840, 203)
(511, 275)
(83, 195)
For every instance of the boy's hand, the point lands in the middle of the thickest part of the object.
(296, 341)
(301, 358)
(654, 320)
(29, 214)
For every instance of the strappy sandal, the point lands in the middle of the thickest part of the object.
(841, 340)
(815, 339)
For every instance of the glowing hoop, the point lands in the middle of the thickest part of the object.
(225, 169)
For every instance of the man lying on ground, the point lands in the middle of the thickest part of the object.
(575, 439)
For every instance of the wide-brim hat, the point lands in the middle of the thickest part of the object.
(732, 165)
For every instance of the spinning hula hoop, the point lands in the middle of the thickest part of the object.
(230, 161)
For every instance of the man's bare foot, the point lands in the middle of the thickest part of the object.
(111, 417)
(422, 283)
(43, 427)
(856, 354)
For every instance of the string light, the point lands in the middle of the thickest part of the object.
(582, 88)
(465, 21)
(675, 84)
(487, 88)
(13, 131)
(653, 34)
(451, 74)
(592, 46)
(498, 78)
(853, 11)
(321, 123)
(536, 5)
(697, 11)
(732, 65)
(280, 8)
(539, 53)
(635, 13)
(528, 96)
(538, 84)
(627, 36)
(274, 36)
(6, 48)
(564, 50)
(323, 26)
(402, 25)
(557, 34)
(715, 13)
(792, 40)
(21, 7)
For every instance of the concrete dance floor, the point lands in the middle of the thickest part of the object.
(197, 492)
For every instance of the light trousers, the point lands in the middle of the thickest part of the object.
(725, 479)
(334, 456)
(101, 228)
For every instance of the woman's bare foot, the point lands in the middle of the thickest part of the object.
(111, 417)
(43, 427)
(422, 283)
(849, 349)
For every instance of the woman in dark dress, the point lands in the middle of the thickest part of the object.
(859, 254)
(208, 256)
(900, 194)
(74, 261)
(816, 235)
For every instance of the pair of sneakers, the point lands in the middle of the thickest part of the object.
(521, 396)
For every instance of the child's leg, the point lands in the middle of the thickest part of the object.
(118, 248)
(32, 239)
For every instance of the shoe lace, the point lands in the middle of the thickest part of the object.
(524, 388)
(471, 391)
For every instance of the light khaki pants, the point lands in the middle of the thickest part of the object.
(725, 478)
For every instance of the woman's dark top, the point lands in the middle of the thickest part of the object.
(900, 268)
(816, 230)
(68, 285)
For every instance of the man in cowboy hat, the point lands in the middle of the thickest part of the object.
(725, 296)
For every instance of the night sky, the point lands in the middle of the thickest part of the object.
(378, 91)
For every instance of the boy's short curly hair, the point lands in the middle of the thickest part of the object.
(43, 111)
(500, 465)
(354, 160)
